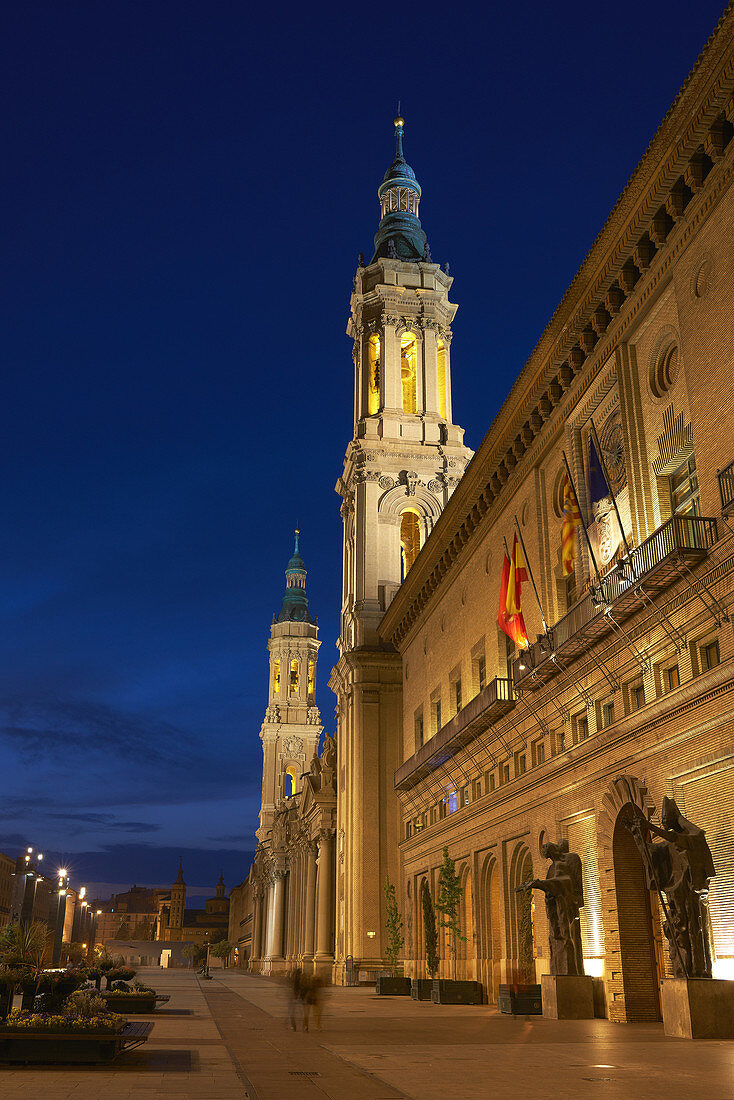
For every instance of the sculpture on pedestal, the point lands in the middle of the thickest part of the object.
(564, 897)
(678, 866)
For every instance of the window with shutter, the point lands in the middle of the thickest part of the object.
(581, 835)
(709, 803)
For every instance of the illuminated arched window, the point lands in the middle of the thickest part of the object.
(311, 678)
(442, 380)
(410, 538)
(289, 782)
(276, 677)
(408, 371)
(293, 678)
(373, 368)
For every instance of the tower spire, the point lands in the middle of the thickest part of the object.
(399, 235)
(295, 602)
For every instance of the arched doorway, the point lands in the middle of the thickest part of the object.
(640, 981)
(466, 949)
(522, 921)
(489, 940)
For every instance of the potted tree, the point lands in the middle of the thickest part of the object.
(392, 984)
(521, 995)
(422, 988)
(450, 893)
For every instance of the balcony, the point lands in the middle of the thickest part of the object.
(654, 566)
(726, 489)
(494, 700)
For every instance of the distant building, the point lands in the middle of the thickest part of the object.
(7, 875)
(177, 924)
(130, 915)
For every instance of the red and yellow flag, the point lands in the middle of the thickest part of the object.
(510, 615)
(571, 522)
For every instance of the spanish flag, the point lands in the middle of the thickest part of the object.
(510, 617)
(571, 521)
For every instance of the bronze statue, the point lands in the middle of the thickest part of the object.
(564, 897)
(680, 867)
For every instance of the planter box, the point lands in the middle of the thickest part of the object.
(447, 992)
(57, 1047)
(520, 1000)
(421, 989)
(130, 1004)
(392, 987)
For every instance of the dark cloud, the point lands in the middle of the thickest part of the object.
(105, 821)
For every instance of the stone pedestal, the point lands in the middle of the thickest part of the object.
(698, 1008)
(567, 996)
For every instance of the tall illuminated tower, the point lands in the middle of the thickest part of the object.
(292, 727)
(404, 461)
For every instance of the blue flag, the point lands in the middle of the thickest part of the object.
(598, 485)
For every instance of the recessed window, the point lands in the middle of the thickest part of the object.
(637, 696)
(505, 773)
(418, 730)
(476, 790)
(539, 752)
(491, 781)
(607, 714)
(480, 671)
(684, 491)
(435, 716)
(710, 656)
(671, 678)
(520, 763)
(451, 801)
(457, 695)
(664, 369)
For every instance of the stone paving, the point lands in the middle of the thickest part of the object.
(230, 1038)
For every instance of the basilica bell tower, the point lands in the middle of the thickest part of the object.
(405, 459)
(292, 727)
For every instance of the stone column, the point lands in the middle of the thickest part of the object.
(310, 901)
(275, 947)
(325, 897)
(257, 923)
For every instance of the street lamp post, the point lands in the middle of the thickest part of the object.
(60, 917)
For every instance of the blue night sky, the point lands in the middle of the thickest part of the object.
(186, 187)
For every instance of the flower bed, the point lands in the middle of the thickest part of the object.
(48, 1038)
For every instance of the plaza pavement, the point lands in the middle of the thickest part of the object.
(230, 1038)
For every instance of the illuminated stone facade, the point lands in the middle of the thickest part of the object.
(628, 695)
(402, 466)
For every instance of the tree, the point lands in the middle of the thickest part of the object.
(393, 927)
(429, 930)
(194, 952)
(221, 950)
(23, 947)
(450, 893)
(123, 931)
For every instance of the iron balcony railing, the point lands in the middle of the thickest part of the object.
(726, 488)
(494, 700)
(654, 566)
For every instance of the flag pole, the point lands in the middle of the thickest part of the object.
(605, 471)
(532, 578)
(586, 533)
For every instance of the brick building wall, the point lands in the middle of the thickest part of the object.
(631, 706)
